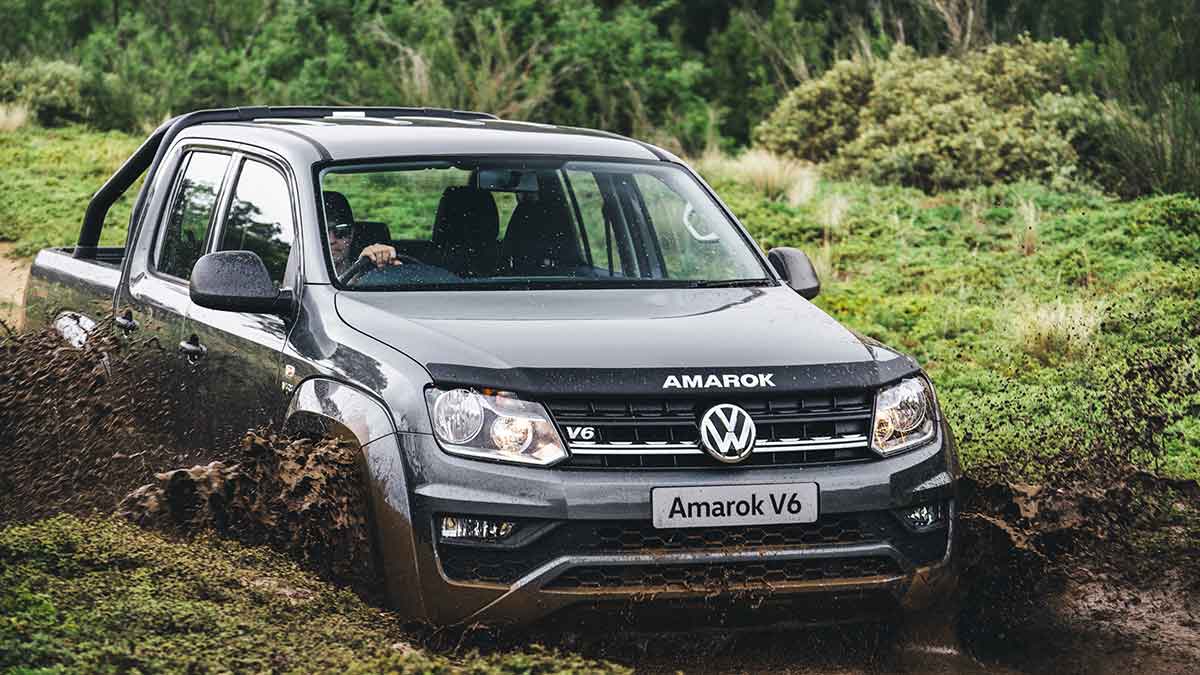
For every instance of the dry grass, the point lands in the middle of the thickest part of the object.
(1057, 329)
(1029, 218)
(822, 261)
(13, 117)
(832, 214)
(774, 177)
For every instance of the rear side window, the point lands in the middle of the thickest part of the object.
(191, 213)
(260, 218)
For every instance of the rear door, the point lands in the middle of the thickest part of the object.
(240, 360)
(153, 304)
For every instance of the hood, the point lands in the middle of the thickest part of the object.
(618, 340)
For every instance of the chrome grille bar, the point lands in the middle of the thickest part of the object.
(664, 448)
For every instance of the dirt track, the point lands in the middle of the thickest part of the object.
(13, 274)
(1112, 609)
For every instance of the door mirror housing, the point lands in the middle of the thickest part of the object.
(237, 281)
(796, 269)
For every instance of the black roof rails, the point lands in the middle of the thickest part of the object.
(149, 154)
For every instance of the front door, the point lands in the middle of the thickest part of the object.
(241, 352)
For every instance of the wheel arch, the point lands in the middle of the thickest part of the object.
(322, 406)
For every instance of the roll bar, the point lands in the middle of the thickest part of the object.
(149, 154)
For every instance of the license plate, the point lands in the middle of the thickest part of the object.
(734, 505)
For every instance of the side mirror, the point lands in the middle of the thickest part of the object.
(236, 281)
(795, 268)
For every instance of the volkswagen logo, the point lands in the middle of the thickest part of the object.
(727, 433)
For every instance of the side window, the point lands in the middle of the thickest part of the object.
(260, 218)
(183, 235)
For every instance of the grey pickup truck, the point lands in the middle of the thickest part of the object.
(576, 380)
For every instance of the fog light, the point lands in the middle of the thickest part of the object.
(480, 529)
(924, 517)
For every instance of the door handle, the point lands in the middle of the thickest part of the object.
(126, 322)
(192, 349)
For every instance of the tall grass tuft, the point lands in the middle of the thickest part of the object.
(1030, 217)
(1156, 146)
(832, 214)
(486, 74)
(1057, 329)
(13, 117)
(775, 177)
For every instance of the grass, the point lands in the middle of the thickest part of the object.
(1051, 320)
(102, 596)
(49, 175)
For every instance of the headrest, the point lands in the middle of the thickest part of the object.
(540, 235)
(466, 215)
(337, 209)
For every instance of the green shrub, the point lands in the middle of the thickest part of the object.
(1003, 114)
(60, 93)
(1169, 227)
(820, 116)
(53, 90)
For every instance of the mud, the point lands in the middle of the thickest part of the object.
(301, 496)
(80, 428)
(1094, 569)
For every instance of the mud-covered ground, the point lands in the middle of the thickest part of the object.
(1093, 571)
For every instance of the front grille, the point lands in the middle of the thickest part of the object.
(598, 537)
(709, 576)
(650, 433)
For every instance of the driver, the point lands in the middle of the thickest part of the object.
(339, 247)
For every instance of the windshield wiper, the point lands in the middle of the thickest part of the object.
(728, 283)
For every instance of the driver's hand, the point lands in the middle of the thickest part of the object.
(380, 254)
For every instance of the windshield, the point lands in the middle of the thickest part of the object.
(489, 222)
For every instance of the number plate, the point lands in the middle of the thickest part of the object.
(734, 505)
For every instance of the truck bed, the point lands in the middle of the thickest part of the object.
(60, 282)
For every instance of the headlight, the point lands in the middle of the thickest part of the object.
(494, 425)
(905, 416)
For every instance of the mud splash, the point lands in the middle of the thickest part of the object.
(80, 428)
(301, 496)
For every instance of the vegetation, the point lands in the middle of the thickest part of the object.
(103, 596)
(49, 175)
(1076, 344)
(937, 123)
(683, 73)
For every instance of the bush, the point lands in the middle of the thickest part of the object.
(820, 116)
(53, 90)
(1169, 227)
(999, 115)
(59, 93)
(1155, 147)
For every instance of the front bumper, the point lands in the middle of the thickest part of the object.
(857, 551)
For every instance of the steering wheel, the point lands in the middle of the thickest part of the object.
(366, 264)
